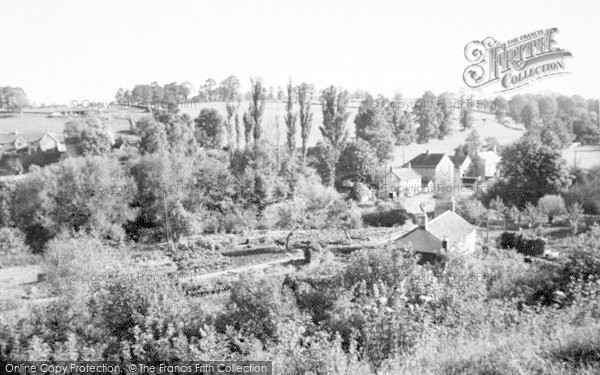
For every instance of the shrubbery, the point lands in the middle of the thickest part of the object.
(314, 206)
(88, 195)
(13, 249)
(386, 217)
(524, 245)
(12, 241)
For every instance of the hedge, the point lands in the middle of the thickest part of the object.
(388, 218)
(524, 245)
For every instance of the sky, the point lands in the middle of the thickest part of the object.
(86, 50)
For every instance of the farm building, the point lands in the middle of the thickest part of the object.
(399, 182)
(448, 232)
(31, 142)
(18, 150)
(438, 168)
(462, 163)
(64, 111)
(485, 163)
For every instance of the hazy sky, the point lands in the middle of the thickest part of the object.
(85, 50)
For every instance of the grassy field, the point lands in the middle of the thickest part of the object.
(33, 122)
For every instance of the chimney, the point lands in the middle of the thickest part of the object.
(494, 148)
(424, 211)
(390, 168)
(427, 152)
(453, 202)
(409, 165)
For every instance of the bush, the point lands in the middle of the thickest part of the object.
(12, 241)
(75, 264)
(508, 240)
(199, 255)
(524, 245)
(258, 307)
(13, 250)
(532, 247)
(551, 206)
(129, 302)
(383, 217)
(471, 210)
(88, 195)
(314, 206)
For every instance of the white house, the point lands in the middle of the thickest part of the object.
(485, 163)
(400, 182)
(444, 234)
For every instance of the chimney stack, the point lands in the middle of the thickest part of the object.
(494, 148)
(427, 152)
(390, 168)
(453, 202)
(424, 211)
(409, 165)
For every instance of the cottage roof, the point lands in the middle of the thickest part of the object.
(406, 173)
(448, 225)
(459, 160)
(29, 137)
(420, 240)
(426, 160)
(489, 155)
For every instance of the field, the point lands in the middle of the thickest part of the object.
(34, 122)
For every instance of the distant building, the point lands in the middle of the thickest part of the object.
(72, 112)
(399, 182)
(31, 142)
(437, 168)
(19, 150)
(485, 163)
(444, 234)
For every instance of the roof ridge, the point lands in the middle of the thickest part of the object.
(439, 216)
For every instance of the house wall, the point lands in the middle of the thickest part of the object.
(389, 183)
(428, 173)
(410, 187)
(47, 143)
(444, 172)
(461, 171)
(485, 167)
(394, 184)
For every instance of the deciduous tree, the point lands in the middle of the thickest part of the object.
(209, 128)
(334, 103)
(426, 113)
(305, 116)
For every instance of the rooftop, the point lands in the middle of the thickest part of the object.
(29, 137)
(448, 225)
(458, 160)
(489, 155)
(426, 159)
(406, 173)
